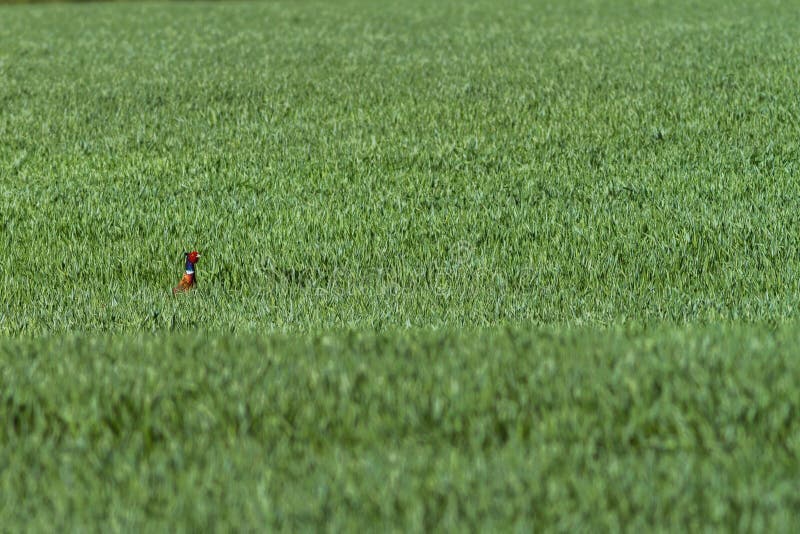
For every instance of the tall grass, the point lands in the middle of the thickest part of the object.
(496, 265)
(354, 165)
(682, 427)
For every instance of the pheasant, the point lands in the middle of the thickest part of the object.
(188, 281)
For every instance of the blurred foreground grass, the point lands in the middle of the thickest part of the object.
(576, 429)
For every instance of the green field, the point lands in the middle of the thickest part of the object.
(496, 264)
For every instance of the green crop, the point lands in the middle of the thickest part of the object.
(354, 165)
(492, 263)
(579, 429)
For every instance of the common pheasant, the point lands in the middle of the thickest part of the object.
(188, 281)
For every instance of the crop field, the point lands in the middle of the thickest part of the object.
(493, 264)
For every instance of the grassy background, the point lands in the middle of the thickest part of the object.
(361, 165)
(471, 263)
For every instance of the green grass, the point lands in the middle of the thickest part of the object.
(584, 213)
(572, 430)
(348, 164)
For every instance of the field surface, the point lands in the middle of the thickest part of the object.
(467, 263)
